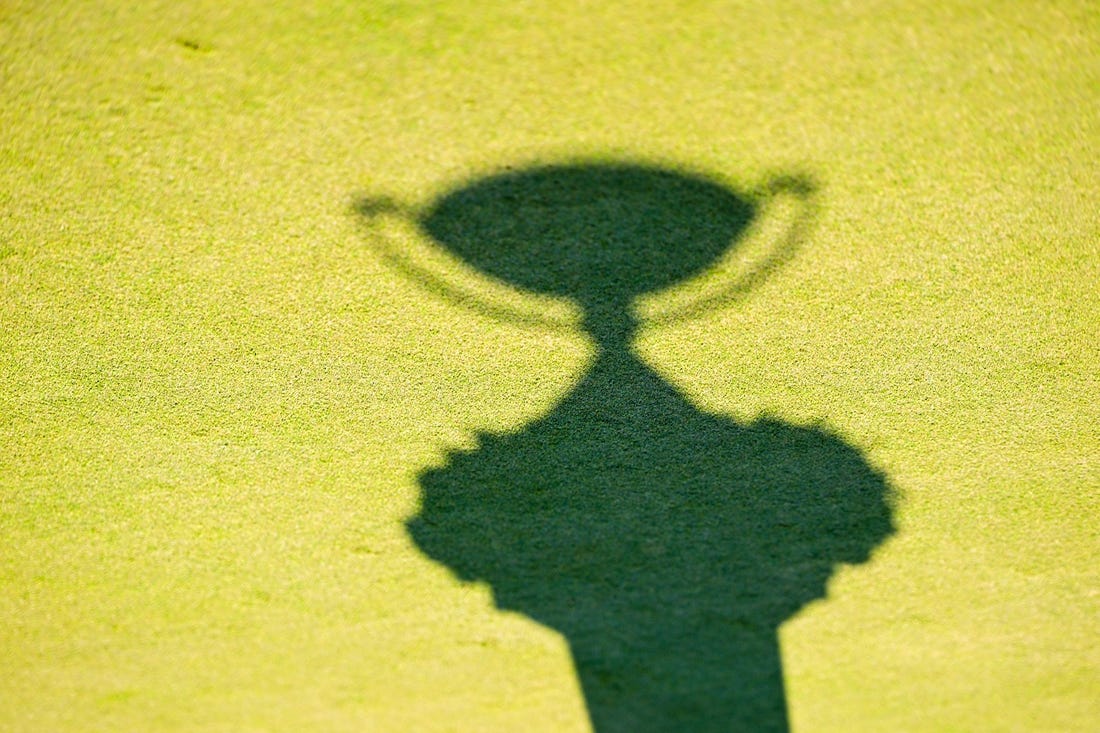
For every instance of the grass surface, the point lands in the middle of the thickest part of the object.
(219, 395)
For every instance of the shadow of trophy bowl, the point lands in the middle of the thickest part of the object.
(666, 544)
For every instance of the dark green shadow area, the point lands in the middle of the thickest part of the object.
(666, 544)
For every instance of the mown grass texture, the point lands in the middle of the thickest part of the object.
(219, 395)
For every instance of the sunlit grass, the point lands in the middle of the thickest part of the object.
(218, 393)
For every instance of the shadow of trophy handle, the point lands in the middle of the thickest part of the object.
(730, 282)
(449, 276)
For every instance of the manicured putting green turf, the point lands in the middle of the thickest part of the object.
(236, 410)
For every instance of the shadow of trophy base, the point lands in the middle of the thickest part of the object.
(665, 544)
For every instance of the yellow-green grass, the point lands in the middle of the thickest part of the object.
(218, 394)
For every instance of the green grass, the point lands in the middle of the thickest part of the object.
(220, 394)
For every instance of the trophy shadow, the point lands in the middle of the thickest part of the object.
(666, 544)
